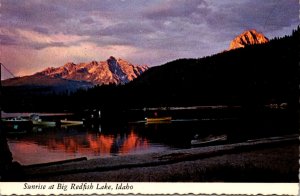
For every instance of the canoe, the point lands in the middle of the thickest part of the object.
(43, 123)
(209, 139)
(158, 120)
(73, 122)
(37, 121)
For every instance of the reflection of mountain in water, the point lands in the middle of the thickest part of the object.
(77, 141)
(58, 143)
(98, 144)
(90, 144)
(128, 142)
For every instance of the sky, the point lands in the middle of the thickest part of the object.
(36, 34)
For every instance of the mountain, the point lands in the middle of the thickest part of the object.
(255, 75)
(114, 71)
(251, 77)
(71, 77)
(44, 84)
(249, 37)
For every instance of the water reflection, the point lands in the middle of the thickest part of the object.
(53, 144)
(47, 144)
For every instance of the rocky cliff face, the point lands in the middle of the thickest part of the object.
(71, 77)
(250, 37)
(116, 71)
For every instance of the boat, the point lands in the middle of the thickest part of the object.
(37, 121)
(40, 122)
(17, 123)
(158, 120)
(71, 122)
(209, 139)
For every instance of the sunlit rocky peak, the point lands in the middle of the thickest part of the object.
(113, 70)
(249, 37)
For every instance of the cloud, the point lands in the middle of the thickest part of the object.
(265, 16)
(52, 32)
(177, 8)
(87, 20)
(7, 40)
(32, 13)
(37, 40)
(41, 30)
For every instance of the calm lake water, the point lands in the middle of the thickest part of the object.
(48, 144)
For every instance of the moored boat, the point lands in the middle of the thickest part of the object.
(158, 119)
(209, 139)
(17, 123)
(40, 122)
(71, 122)
(37, 121)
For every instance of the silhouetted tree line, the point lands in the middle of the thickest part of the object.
(250, 76)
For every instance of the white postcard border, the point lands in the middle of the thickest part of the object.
(18, 188)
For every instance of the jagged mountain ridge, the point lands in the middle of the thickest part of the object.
(115, 71)
(71, 77)
(41, 84)
(246, 38)
(250, 76)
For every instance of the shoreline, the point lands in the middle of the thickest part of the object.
(274, 157)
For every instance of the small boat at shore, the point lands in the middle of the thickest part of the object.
(158, 120)
(37, 121)
(40, 122)
(208, 140)
(71, 122)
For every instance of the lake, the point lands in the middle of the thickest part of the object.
(49, 144)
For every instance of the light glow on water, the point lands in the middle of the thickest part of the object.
(56, 145)
(50, 144)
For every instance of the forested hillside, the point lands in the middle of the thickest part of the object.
(250, 76)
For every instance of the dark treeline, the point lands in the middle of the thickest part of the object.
(251, 77)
